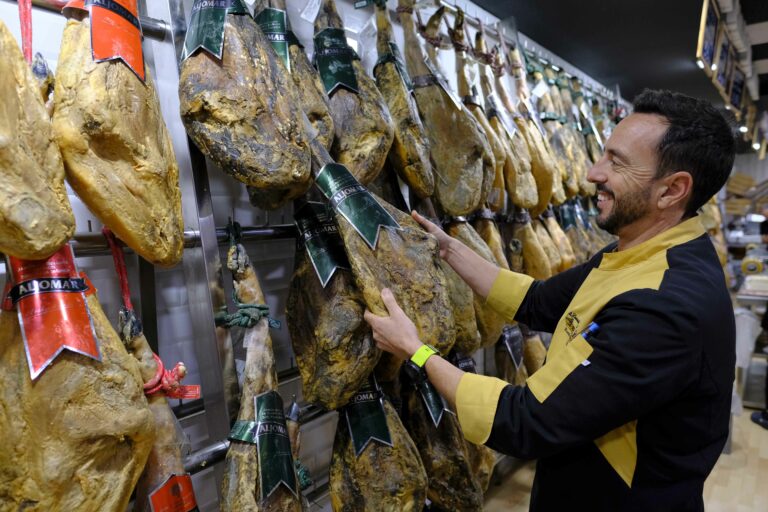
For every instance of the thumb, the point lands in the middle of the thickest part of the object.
(390, 302)
(426, 224)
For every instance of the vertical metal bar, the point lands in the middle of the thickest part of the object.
(201, 265)
(148, 302)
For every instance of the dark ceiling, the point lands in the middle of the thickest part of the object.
(635, 44)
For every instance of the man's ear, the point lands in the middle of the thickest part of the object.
(676, 189)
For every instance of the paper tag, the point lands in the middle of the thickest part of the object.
(584, 109)
(366, 419)
(396, 57)
(443, 83)
(433, 401)
(353, 201)
(274, 446)
(501, 113)
(513, 342)
(321, 239)
(540, 89)
(115, 31)
(473, 79)
(174, 495)
(368, 31)
(576, 116)
(309, 13)
(534, 114)
(585, 112)
(274, 24)
(49, 296)
(206, 26)
(333, 60)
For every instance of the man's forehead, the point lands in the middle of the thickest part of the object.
(638, 134)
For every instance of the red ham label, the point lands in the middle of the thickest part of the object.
(115, 31)
(174, 495)
(49, 297)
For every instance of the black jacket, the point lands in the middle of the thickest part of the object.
(633, 415)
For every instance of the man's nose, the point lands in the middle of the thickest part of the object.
(597, 173)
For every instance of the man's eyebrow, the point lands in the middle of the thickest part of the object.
(617, 153)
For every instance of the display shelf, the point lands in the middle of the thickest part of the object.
(203, 189)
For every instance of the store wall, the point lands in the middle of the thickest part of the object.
(273, 260)
(749, 163)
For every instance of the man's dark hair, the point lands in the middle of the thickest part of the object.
(698, 140)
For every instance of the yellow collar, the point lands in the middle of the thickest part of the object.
(679, 234)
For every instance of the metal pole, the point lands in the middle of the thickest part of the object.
(150, 27)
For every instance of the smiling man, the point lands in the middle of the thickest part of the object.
(630, 411)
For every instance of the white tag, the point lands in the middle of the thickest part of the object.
(534, 115)
(575, 111)
(541, 89)
(585, 110)
(310, 10)
(369, 29)
(404, 191)
(508, 124)
(597, 134)
(444, 83)
(585, 362)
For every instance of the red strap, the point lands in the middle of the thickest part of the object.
(169, 382)
(122, 273)
(164, 380)
(25, 18)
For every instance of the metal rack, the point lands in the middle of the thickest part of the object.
(164, 25)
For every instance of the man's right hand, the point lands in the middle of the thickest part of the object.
(433, 229)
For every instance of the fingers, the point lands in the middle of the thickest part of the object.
(390, 302)
(426, 224)
(369, 317)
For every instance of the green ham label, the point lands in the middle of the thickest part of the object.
(274, 24)
(366, 419)
(333, 60)
(276, 466)
(320, 237)
(206, 26)
(433, 401)
(353, 202)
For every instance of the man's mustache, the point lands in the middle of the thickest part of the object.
(603, 188)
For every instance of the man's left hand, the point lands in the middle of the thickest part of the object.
(395, 333)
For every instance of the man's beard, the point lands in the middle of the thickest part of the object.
(631, 207)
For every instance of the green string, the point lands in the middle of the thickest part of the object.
(305, 479)
(247, 315)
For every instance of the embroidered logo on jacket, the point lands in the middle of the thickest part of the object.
(572, 325)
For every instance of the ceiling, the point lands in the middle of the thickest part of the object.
(635, 44)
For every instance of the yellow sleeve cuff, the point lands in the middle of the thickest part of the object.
(476, 400)
(508, 292)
